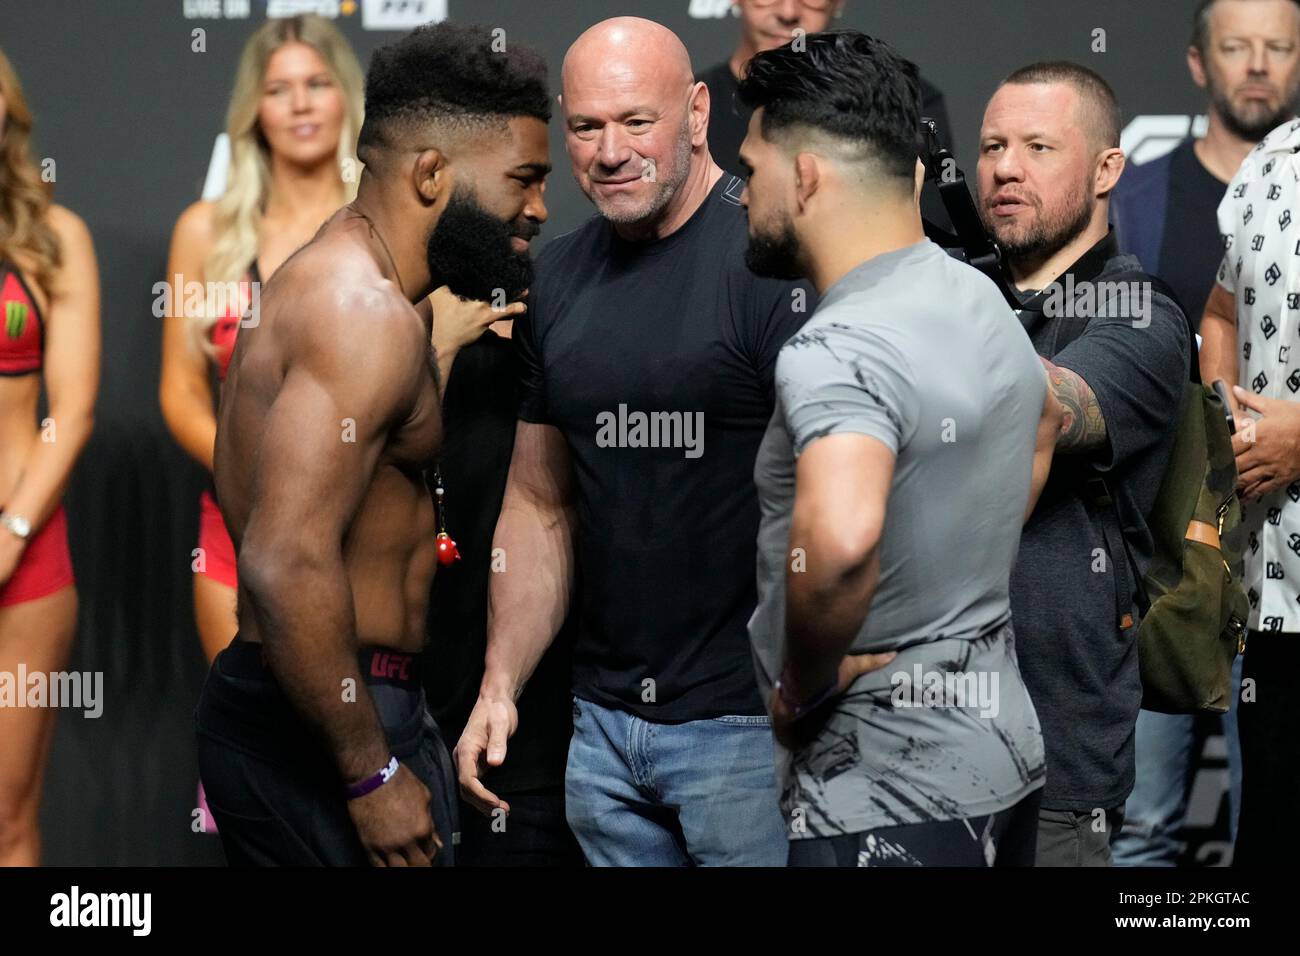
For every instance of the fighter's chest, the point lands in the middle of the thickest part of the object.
(415, 443)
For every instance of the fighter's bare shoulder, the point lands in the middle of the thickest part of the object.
(334, 308)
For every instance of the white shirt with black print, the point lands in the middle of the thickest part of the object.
(1260, 222)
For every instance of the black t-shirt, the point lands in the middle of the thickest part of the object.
(1071, 584)
(1192, 248)
(479, 417)
(729, 122)
(655, 361)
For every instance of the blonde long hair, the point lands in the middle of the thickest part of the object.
(238, 212)
(24, 196)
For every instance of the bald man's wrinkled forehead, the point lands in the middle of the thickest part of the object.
(626, 56)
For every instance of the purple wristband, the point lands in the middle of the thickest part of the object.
(374, 781)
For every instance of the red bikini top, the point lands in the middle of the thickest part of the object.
(226, 328)
(22, 331)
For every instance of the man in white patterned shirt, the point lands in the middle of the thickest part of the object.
(1251, 330)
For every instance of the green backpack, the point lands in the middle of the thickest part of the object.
(1195, 623)
(1192, 605)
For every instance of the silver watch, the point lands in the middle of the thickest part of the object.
(17, 525)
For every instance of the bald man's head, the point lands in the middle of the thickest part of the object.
(630, 46)
(635, 119)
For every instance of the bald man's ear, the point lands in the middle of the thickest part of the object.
(429, 175)
(807, 178)
(1110, 167)
(699, 106)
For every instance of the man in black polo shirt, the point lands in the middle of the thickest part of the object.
(648, 350)
(766, 25)
(1049, 158)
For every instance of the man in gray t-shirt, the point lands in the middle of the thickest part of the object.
(912, 432)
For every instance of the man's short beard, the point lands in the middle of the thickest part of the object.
(469, 251)
(1045, 236)
(775, 255)
(664, 191)
(1243, 127)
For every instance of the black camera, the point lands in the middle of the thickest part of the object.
(968, 240)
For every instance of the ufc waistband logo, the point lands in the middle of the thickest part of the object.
(391, 666)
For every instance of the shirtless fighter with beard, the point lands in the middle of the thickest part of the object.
(314, 742)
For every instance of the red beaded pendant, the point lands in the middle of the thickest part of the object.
(447, 551)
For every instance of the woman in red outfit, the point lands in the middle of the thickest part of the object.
(49, 335)
(293, 121)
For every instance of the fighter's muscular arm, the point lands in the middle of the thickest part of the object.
(527, 602)
(310, 478)
(1083, 429)
(842, 486)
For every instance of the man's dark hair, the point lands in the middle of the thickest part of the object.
(448, 74)
(1105, 122)
(846, 85)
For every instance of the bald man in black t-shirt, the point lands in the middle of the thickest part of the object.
(648, 351)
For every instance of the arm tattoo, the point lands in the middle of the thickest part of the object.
(1084, 430)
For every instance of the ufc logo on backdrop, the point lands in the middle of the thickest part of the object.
(401, 14)
(708, 9)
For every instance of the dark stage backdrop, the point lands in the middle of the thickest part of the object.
(129, 110)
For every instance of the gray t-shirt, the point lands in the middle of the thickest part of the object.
(920, 352)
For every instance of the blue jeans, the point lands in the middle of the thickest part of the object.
(1157, 807)
(702, 793)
